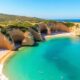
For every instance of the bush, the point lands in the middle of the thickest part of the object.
(68, 24)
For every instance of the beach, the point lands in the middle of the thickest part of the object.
(71, 34)
(4, 56)
(59, 57)
(3, 53)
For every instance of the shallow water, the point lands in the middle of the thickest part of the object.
(56, 59)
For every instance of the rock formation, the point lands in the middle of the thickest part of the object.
(28, 40)
(5, 43)
(37, 36)
(43, 28)
(17, 35)
(60, 27)
(51, 27)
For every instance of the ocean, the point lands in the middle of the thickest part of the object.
(55, 59)
(68, 20)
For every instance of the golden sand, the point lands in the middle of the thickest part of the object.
(3, 59)
(6, 57)
(71, 34)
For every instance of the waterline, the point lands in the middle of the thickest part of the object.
(3, 59)
(2, 76)
(56, 59)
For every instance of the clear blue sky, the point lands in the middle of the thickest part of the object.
(42, 8)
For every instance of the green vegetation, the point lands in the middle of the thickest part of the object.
(25, 22)
(20, 20)
(69, 24)
(12, 19)
(49, 21)
(22, 24)
(77, 26)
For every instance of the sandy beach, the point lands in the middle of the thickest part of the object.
(71, 34)
(3, 53)
(74, 31)
(2, 76)
(4, 56)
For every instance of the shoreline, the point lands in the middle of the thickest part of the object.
(2, 76)
(70, 34)
(3, 59)
(3, 53)
(8, 54)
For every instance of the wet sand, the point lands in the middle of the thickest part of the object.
(3, 58)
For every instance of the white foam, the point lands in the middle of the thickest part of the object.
(2, 76)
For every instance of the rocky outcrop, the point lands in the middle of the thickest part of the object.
(24, 38)
(43, 28)
(28, 40)
(51, 27)
(36, 35)
(58, 26)
(5, 43)
(17, 35)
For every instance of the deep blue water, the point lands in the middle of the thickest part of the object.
(68, 20)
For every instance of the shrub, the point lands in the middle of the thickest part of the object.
(69, 24)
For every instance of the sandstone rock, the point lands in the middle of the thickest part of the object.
(58, 26)
(17, 35)
(28, 40)
(37, 36)
(43, 28)
(5, 43)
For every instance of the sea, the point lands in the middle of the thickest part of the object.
(55, 59)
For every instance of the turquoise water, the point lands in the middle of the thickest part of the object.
(56, 59)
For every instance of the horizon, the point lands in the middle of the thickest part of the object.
(47, 9)
(40, 18)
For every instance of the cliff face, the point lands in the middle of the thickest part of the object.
(43, 27)
(59, 27)
(5, 43)
(37, 36)
(28, 40)
(52, 27)
(17, 35)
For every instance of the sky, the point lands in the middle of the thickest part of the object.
(48, 9)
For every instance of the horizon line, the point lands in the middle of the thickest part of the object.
(40, 17)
